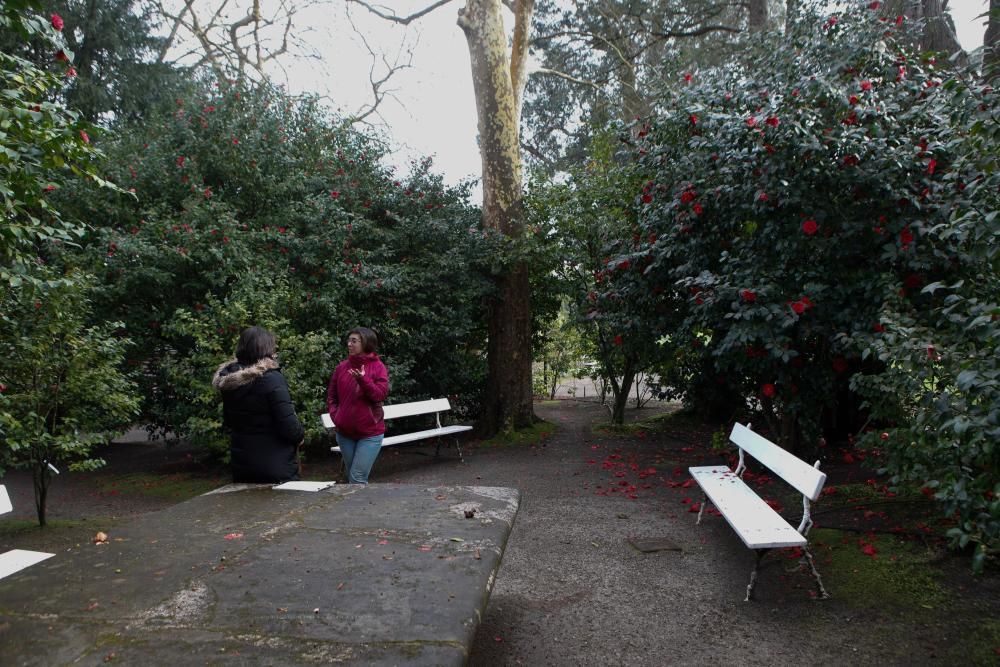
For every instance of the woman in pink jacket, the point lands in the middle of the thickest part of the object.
(358, 386)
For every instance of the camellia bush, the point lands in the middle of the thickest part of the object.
(826, 209)
(253, 207)
(62, 390)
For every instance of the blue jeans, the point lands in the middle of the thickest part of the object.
(359, 456)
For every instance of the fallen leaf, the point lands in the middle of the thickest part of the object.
(233, 536)
(101, 537)
(456, 539)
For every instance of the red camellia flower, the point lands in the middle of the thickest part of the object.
(57, 22)
(772, 121)
(751, 122)
(618, 340)
(3, 388)
(768, 390)
(207, 192)
(180, 161)
(839, 364)
(85, 137)
(853, 99)
(49, 188)
(71, 72)
(647, 198)
(688, 196)
(748, 295)
(931, 165)
(875, 5)
(899, 20)
(61, 56)
(698, 210)
(688, 77)
(866, 85)
(334, 194)
(809, 227)
(905, 237)
(694, 119)
(798, 307)
(624, 264)
(879, 327)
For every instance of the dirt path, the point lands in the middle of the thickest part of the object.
(573, 590)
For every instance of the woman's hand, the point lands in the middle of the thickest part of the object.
(358, 373)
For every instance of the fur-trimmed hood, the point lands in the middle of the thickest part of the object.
(232, 374)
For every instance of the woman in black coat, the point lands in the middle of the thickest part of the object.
(257, 410)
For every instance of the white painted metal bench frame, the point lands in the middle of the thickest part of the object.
(759, 526)
(434, 405)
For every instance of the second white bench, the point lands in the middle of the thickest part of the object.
(434, 405)
(759, 526)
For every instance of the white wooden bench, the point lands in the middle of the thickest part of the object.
(16, 559)
(759, 526)
(434, 405)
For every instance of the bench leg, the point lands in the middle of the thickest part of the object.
(753, 575)
(823, 595)
(701, 510)
(437, 450)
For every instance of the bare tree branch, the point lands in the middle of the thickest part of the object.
(567, 77)
(395, 18)
(379, 92)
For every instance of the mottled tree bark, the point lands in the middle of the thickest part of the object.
(758, 15)
(939, 29)
(991, 43)
(498, 80)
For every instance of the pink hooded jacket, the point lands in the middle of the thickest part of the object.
(355, 404)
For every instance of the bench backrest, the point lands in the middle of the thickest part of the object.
(799, 474)
(415, 408)
(403, 410)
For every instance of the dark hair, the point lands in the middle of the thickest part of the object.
(369, 339)
(255, 343)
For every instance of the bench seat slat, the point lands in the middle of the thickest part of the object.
(419, 435)
(757, 524)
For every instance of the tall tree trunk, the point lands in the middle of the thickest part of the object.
(758, 15)
(621, 395)
(791, 13)
(41, 477)
(991, 43)
(498, 82)
(939, 29)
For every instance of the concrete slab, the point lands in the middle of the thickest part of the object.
(382, 575)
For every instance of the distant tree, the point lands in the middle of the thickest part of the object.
(602, 60)
(239, 40)
(114, 50)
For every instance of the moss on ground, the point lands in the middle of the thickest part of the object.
(878, 571)
(177, 487)
(57, 534)
(534, 435)
(980, 646)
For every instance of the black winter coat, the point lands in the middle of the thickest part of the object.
(264, 429)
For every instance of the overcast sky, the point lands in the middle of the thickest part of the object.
(433, 111)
